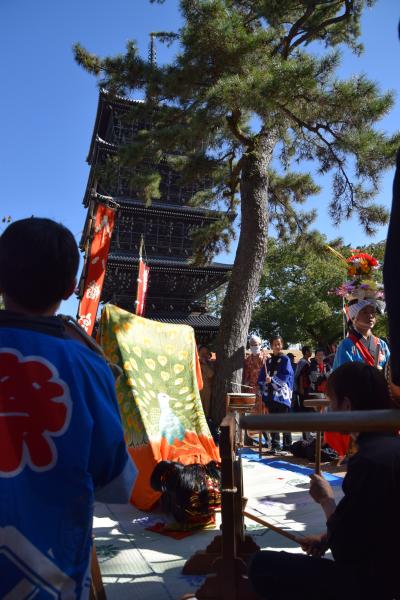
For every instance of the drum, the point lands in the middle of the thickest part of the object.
(237, 401)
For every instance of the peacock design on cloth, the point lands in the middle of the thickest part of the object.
(158, 393)
(170, 426)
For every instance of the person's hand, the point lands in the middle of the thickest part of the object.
(320, 490)
(268, 379)
(314, 545)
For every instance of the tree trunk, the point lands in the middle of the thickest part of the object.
(246, 273)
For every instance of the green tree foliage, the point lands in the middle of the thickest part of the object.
(295, 296)
(254, 86)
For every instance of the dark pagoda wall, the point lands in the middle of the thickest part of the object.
(166, 233)
(118, 123)
(172, 287)
(177, 289)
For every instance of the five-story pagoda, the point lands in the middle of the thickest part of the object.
(177, 288)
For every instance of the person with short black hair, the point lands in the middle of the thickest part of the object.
(364, 547)
(39, 260)
(276, 383)
(61, 438)
(301, 382)
(319, 372)
(301, 386)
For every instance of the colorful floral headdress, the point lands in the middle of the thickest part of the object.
(361, 271)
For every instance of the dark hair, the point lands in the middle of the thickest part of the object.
(276, 337)
(205, 348)
(305, 349)
(180, 485)
(39, 259)
(364, 385)
(319, 350)
(290, 355)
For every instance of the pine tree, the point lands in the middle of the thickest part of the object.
(252, 90)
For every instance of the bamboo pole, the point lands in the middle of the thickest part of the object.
(269, 525)
(318, 442)
(321, 404)
(377, 420)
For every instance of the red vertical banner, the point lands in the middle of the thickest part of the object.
(142, 285)
(97, 261)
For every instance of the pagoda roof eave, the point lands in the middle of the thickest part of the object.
(175, 209)
(106, 98)
(134, 205)
(204, 322)
(167, 264)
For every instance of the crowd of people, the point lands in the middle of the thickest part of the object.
(279, 384)
(62, 444)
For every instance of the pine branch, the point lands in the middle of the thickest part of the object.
(349, 4)
(316, 129)
(285, 46)
(286, 209)
(233, 124)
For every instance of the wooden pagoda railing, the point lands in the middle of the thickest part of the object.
(226, 557)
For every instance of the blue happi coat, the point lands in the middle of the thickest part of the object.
(61, 445)
(281, 387)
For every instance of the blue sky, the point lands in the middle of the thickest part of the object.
(48, 103)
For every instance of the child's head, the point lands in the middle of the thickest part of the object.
(276, 343)
(39, 260)
(357, 386)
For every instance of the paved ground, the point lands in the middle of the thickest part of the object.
(137, 563)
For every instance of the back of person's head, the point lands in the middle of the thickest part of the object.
(39, 259)
(363, 385)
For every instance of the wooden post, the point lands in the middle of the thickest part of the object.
(318, 453)
(320, 404)
(230, 581)
(97, 591)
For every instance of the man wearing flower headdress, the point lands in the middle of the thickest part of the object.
(364, 299)
(360, 344)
